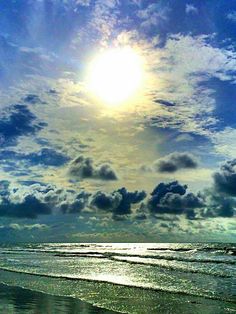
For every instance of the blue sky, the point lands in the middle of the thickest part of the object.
(161, 166)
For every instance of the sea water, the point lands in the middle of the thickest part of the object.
(128, 278)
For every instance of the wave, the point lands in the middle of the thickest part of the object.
(214, 250)
(221, 250)
(224, 247)
(111, 255)
(182, 258)
(175, 267)
(124, 259)
(146, 287)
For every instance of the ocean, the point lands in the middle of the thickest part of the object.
(123, 278)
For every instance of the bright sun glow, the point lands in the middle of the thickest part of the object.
(116, 75)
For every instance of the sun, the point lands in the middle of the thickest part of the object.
(116, 75)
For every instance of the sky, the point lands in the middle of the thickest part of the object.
(82, 162)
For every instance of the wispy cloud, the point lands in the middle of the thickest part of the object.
(190, 9)
(232, 16)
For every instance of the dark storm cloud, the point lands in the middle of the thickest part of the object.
(35, 198)
(166, 199)
(128, 198)
(105, 201)
(225, 179)
(44, 157)
(84, 168)
(39, 199)
(77, 205)
(17, 120)
(171, 198)
(118, 202)
(30, 207)
(176, 161)
(217, 205)
(220, 199)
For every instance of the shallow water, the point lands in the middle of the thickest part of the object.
(130, 278)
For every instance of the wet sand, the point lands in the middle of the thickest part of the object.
(15, 300)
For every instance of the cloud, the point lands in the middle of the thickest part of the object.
(32, 199)
(217, 205)
(164, 102)
(85, 3)
(224, 142)
(176, 161)
(31, 182)
(171, 198)
(105, 201)
(30, 207)
(16, 121)
(45, 157)
(102, 19)
(18, 227)
(128, 198)
(19, 62)
(4, 188)
(205, 58)
(231, 16)
(193, 61)
(140, 216)
(225, 179)
(84, 168)
(29, 199)
(118, 202)
(76, 205)
(154, 14)
(33, 99)
(191, 9)
(35, 199)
